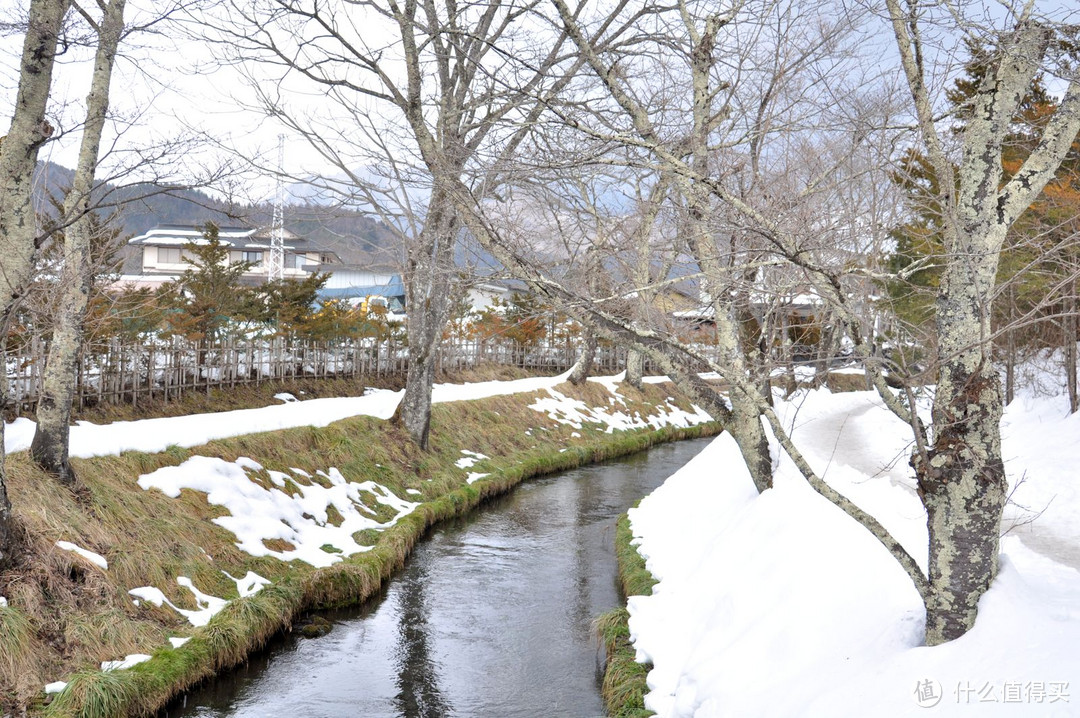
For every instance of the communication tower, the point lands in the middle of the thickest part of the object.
(277, 229)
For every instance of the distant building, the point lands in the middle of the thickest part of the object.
(484, 295)
(361, 284)
(164, 258)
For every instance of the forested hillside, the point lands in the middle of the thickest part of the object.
(355, 237)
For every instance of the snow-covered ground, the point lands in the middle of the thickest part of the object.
(780, 605)
(153, 435)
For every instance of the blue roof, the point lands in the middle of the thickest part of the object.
(395, 288)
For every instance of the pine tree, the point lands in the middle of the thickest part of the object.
(210, 293)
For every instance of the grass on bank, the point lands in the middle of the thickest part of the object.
(624, 686)
(66, 615)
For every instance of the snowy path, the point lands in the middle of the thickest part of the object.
(154, 435)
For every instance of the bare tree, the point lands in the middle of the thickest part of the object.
(957, 460)
(49, 448)
(436, 91)
(959, 467)
(18, 155)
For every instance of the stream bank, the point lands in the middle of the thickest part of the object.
(81, 615)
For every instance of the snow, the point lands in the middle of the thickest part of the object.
(780, 605)
(474, 476)
(470, 459)
(155, 435)
(576, 413)
(177, 642)
(133, 659)
(94, 558)
(55, 687)
(285, 396)
(292, 511)
(208, 606)
(3, 602)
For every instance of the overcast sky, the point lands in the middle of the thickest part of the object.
(164, 86)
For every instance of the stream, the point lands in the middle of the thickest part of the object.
(491, 617)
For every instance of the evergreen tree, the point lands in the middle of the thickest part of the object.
(210, 293)
(1035, 300)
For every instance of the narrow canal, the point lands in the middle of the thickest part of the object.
(490, 618)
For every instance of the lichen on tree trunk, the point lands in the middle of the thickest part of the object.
(962, 484)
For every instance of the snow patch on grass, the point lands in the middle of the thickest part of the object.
(128, 661)
(208, 606)
(94, 558)
(576, 413)
(470, 459)
(300, 517)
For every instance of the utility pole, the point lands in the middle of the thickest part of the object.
(277, 230)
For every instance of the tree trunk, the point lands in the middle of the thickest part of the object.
(18, 156)
(428, 282)
(635, 367)
(582, 368)
(1070, 353)
(961, 475)
(49, 448)
(7, 541)
(963, 488)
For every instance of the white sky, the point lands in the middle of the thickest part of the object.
(166, 86)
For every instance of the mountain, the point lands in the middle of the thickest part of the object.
(353, 236)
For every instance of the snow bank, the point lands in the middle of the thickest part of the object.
(154, 435)
(780, 605)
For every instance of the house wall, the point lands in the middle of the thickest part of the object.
(345, 278)
(152, 262)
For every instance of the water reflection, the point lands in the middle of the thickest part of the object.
(418, 679)
(491, 617)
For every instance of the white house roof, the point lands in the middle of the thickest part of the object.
(175, 235)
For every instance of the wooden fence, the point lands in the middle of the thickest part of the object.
(116, 372)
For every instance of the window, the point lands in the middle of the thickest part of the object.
(254, 257)
(168, 255)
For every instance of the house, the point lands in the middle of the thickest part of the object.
(361, 284)
(482, 295)
(164, 258)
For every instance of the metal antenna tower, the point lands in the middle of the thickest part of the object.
(277, 230)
